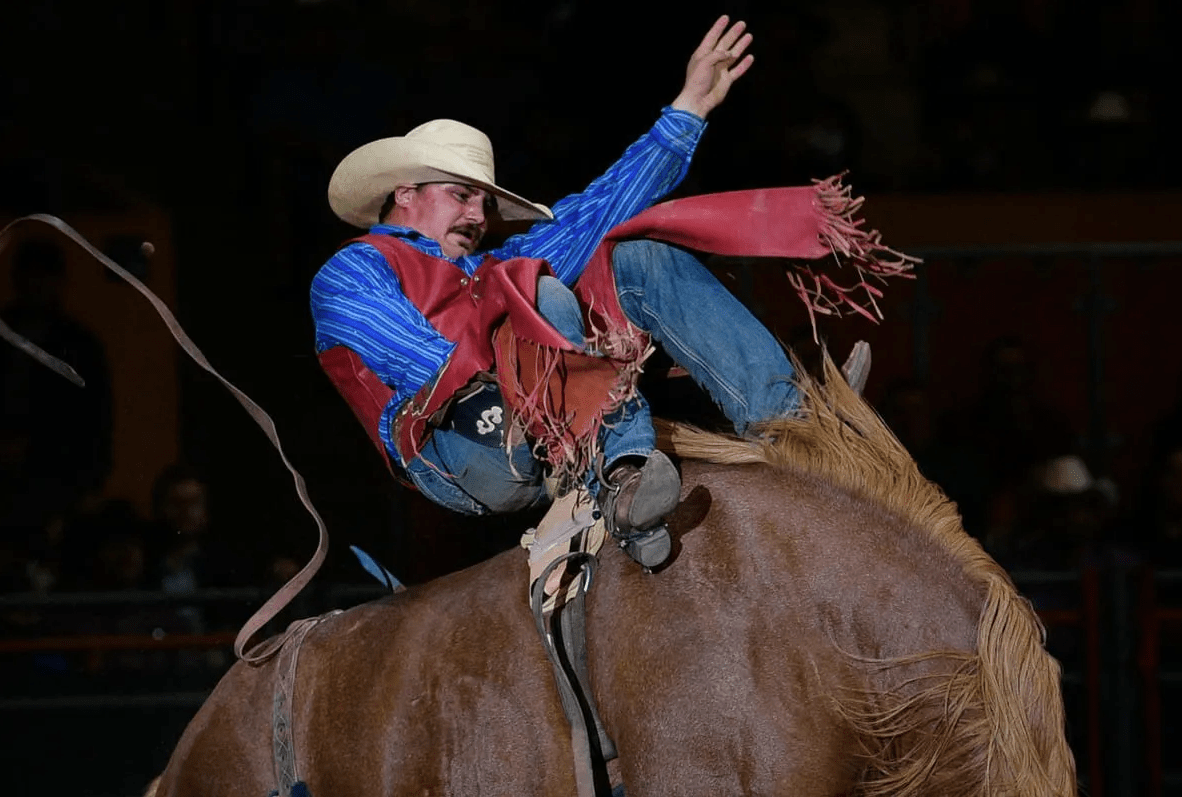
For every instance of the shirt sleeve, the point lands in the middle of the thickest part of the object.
(648, 170)
(357, 302)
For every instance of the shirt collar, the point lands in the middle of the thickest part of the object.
(410, 234)
(424, 244)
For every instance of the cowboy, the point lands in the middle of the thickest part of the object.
(404, 301)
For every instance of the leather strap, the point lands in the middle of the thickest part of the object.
(564, 640)
(283, 739)
(289, 590)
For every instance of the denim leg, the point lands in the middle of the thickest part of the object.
(629, 430)
(476, 479)
(559, 305)
(668, 293)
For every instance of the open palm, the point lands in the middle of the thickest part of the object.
(714, 66)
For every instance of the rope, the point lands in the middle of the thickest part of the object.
(284, 594)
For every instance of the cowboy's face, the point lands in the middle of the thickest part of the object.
(453, 214)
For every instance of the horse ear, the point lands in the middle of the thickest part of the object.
(376, 570)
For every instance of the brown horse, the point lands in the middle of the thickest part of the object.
(825, 627)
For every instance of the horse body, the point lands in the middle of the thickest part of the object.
(724, 670)
(812, 635)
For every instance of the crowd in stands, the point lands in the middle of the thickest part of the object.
(264, 98)
(1021, 476)
(989, 117)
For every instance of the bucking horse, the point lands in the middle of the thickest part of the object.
(824, 626)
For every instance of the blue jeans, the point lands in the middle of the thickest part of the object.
(668, 293)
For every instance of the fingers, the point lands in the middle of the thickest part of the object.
(717, 39)
(711, 39)
(740, 68)
(743, 44)
(730, 42)
(731, 36)
(728, 58)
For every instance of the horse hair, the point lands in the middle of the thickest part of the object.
(993, 723)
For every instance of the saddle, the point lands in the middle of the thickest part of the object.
(562, 559)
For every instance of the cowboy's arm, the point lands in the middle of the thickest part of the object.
(648, 170)
(357, 303)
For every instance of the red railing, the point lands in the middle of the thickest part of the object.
(109, 642)
(1087, 620)
(1155, 620)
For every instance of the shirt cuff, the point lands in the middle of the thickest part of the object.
(679, 131)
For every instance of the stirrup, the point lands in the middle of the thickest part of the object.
(647, 548)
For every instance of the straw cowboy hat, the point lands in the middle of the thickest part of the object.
(439, 151)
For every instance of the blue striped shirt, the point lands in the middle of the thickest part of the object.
(357, 301)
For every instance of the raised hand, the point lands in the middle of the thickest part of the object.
(714, 66)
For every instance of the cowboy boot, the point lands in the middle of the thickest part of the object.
(634, 500)
(856, 369)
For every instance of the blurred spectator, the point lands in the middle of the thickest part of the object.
(118, 563)
(55, 439)
(100, 550)
(321, 61)
(1157, 518)
(1008, 429)
(29, 563)
(1065, 520)
(1114, 142)
(104, 549)
(185, 553)
(825, 139)
(993, 94)
(1160, 518)
(280, 569)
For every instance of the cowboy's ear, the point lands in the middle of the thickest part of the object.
(403, 195)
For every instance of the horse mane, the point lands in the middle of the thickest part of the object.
(994, 723)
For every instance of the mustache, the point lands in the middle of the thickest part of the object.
(473, 231)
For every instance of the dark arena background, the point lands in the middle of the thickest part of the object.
(1026, 149)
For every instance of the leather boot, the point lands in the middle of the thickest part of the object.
(634, 500)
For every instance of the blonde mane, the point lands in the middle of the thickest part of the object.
(995, 724)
